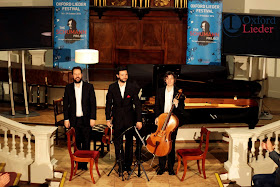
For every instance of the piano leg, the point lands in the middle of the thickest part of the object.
(11, 84)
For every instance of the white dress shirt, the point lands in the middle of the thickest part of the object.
(168, 99)
(122, 89)
(78, 94)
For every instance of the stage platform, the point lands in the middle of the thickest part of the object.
(186, 132)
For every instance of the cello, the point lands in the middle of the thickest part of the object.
(159, 143)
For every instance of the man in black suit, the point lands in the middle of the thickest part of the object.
(79, 107)
(121, 97)
(164, 99)
(269, 180)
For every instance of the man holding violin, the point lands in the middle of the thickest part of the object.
(164, 100)
(121, 97)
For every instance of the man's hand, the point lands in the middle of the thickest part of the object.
(139, 125)
(269, 145)
(92, 122)
(176, 102)
(67, 124)
(156, 121)
(108, 123)
(4, 179)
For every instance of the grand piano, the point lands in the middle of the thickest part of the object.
(210, 96)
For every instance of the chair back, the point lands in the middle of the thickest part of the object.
(204, 140)
(58, 108)
(71, 141)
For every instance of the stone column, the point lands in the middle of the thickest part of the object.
(42, 167)
(237, 164)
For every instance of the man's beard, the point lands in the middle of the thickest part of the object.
(77, 81)
(122, 81)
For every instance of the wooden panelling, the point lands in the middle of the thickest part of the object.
(174, 42)
(121, 38)
(103, 39)
(128, 35)
(152, 34)
(128, 56)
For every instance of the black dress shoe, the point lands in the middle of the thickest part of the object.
(127, 168)
(80, 167)
(171, 172)
(160, 172)
(119, 170)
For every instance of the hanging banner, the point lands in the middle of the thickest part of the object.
(204, 32)
(71, 31)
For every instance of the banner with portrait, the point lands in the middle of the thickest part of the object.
(204, 32)
(71, 31)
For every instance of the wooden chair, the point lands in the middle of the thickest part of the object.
(194, 154)
(58, 111)
(80, 155)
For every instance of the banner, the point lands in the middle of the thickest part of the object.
(204, 32)
(71, 31)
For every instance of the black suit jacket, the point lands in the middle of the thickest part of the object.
(88, 103)
(160, 100)
(121, 109)
(275, 157)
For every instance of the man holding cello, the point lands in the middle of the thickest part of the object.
(164, 100)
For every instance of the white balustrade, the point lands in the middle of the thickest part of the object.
(243, 164)
(17, 153)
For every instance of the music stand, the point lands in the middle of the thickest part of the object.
(120, 160)
(138, 158)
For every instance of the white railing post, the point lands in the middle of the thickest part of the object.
(42, 166)
(15, 161)
(34, 171)
(276, 143)
(260, 156)
(5, 148)
(13, 151)
(237, 165)
(21, 153)
(28, 146)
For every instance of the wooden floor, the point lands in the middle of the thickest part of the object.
(217, 155)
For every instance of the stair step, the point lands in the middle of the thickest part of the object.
(223, 181)
(58, 180)
(228, 182)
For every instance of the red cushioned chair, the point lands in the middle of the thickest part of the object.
(80, 155)
(194, 154)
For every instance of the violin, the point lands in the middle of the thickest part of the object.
(159, 143)
(106, 138)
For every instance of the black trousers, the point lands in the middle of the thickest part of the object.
(171, 156)
(82, 136)
(127, 156)
(264, 180)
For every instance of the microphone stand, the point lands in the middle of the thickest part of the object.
(120, 160)
(138, 158)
